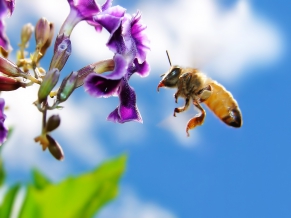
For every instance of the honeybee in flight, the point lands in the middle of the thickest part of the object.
(193, 85)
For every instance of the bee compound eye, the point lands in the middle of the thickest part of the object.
(175, 72)
(172, 77)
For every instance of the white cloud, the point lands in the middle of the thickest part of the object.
(177, 125)
(201, 34)
(129, 205)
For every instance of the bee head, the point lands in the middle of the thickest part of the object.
(170, 79)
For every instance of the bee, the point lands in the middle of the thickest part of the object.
(195, 86)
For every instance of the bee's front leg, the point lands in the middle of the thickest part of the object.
(181, 109)
(197, 120)
(176, 96)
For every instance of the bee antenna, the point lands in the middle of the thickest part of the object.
(169, 57)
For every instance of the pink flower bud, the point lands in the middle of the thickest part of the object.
(9, 68)
(43, 30)
(10, 84)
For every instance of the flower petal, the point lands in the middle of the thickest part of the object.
(4, 41)
(107, 5)
(129, 39)
(116, 43)
(10, 4)
(3, 9)
(6, 9)
(85, 8)
(111, 18)
(3, 129)
(107, 85)
(114, 116)
(127, 110)
(142, 69)
(99, 86)
(120, 68)
(140, 38)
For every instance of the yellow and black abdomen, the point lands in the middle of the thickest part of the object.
(225, 107)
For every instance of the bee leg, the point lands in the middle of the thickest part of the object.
(197, 120)
(176, 96)
(181, 109)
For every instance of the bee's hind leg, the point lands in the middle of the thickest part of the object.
(181, 109)
(197, 120)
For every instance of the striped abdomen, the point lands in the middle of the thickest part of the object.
(222, 103)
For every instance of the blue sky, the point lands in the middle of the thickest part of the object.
(218, 171)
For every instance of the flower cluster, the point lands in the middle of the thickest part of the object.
(127, 41)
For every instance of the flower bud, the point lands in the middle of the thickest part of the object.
(9, 68)
(67, 87)
(48, 41)
(53, 123)
(62, 52)
(42, 32)
(48, 83)
(10, 84)
(26, 33)
(55, 149)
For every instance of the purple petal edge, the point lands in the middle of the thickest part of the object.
(127, 110)
(3, 129)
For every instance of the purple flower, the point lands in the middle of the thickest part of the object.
(6, 9)
(83, 10)
(3, 129)
(130, 45)
(116, 84)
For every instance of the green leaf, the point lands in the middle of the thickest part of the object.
(39, 180)
(8, 201)
(77, 197)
